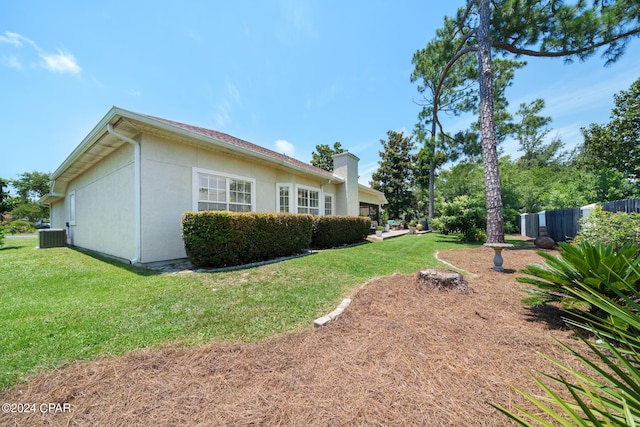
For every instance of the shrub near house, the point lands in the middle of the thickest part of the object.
(222, 239)
(333, 231)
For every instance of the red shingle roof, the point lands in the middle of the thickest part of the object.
(248, 146)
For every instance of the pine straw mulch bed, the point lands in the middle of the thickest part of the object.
(401, 354)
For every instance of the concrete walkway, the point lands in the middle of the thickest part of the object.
(387, 235)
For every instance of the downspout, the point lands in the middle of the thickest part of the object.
(137, 190)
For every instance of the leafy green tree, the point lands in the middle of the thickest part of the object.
(531, 28)
(463, 179)
(6, 201)
(611, 184)
(603, 144)
(323, 157)
(30, 186)
(32, 212)
(394, 176)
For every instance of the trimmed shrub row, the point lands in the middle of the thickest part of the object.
(332, 231)
(222, 239)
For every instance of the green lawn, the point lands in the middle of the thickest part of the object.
(60, 305)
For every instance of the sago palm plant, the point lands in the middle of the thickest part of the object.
(604, 389)
(599, 266)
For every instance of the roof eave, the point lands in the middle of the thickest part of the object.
(115, 113)
(86, 143)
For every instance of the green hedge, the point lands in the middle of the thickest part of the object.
(223, 239)
(332, 231)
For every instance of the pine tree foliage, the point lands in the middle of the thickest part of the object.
(543, 28)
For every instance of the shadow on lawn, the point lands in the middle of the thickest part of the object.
(142, 271)
(179, 265)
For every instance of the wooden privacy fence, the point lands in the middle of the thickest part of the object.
(626, 205)
(564, 224)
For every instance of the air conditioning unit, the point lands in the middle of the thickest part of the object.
(52, 238)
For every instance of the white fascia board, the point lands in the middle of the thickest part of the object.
(87, 142)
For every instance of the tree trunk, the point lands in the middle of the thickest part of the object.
(493, 197)
(432, 192)
(432, 173)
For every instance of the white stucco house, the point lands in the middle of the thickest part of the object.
(123, 190)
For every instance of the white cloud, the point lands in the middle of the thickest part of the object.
(222, 112)
(366, 171)
(12, 62)
(135, 93)
(285, 147)
(14, 39)
(61, 62)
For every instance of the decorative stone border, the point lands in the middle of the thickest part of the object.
(324, 320)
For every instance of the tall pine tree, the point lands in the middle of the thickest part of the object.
(539, 28)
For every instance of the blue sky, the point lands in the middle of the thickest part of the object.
(287, 75)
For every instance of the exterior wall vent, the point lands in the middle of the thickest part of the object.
(52, 238)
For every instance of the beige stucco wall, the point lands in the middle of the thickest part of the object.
(365, 197)
(167, 171)
(59, 215)
(105, 196)
(104, 200)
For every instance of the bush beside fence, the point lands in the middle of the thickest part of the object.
(604, 227)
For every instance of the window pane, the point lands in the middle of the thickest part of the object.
(206, 206)
(313, 199)
(284, 199)
(239, 208)
(328, 205)
(212, 188)
(240, 193)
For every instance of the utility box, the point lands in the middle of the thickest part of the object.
(52, 238)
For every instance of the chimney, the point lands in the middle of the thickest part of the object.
(345, 166)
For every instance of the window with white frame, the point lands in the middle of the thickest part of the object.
(72, 208)
(221, 192)
(308, 201)
(284, 197)
(328, 204)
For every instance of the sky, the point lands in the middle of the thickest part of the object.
(287, 75)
